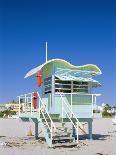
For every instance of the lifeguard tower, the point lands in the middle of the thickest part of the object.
(66, 97)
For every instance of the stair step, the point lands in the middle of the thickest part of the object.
(63, 138)
(62, 129)
(72, 144)
(61, 135)
(53, 116)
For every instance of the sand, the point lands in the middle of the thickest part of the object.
(13, 140)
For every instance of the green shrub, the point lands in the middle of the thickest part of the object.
(107, 114)
(7, 112)
(1, 114)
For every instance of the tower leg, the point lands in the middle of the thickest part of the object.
(74, 132)
(90, 129)
(36, 130)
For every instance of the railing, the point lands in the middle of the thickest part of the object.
(64, 104)
(28, 99)
(43, 108)
(25, 102)
(93, 98)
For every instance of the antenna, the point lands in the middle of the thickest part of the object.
(46, 51)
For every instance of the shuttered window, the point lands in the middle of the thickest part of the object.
(47, 85)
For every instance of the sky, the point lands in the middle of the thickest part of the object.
(79, 31)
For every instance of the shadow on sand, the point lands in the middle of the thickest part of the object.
(94, 137)
(2, 136)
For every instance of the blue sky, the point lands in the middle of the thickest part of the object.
(80, 31)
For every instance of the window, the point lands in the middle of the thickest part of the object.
(65, 86)
(62, 86)
(80, 87)
(47, 85)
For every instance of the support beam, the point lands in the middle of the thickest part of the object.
(74, 131)
(36, 130)
(90, 129)
(53, 92)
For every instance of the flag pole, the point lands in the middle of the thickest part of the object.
(46, 51)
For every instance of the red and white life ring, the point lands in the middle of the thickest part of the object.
(34, 100)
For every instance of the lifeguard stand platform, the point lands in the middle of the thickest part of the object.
(66, 98)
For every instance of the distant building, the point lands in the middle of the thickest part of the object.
(15, 107)
(12, 106)
(98, 108)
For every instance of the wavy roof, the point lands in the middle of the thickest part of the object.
(88, 67)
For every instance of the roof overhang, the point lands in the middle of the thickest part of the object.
(94, 83)
(88, 68)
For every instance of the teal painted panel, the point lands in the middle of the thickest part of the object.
(82, 111)
(78, 99)
(47, 71)
(81, 99)
(58, 105)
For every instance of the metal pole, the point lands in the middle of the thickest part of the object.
(95, 100)
(71, 105)
(53, 90)
(36, 129)
(19, 105)
(46, 51)
(71, 95)
(92, 104)
(90, 129)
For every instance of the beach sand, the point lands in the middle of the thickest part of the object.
(13, 140)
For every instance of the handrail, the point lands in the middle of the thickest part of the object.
(69, 118)
(26, 98)
(72, 123)
(46, 111)
(80, 126)
(29, 95)
(41, 110)
(45, 120)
